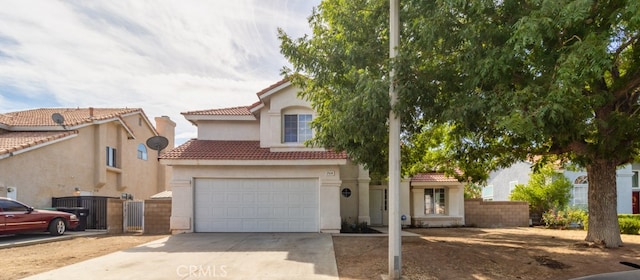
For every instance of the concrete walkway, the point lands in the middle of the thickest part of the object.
(214, 256)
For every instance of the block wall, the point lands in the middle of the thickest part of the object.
(496, 214)
(114, 216)
(156, 216)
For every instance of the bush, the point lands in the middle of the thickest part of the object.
(578, 216)
(629, 225)
(546, 190)
(562, 219)
(555, 219)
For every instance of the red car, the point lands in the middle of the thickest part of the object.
(16, 217)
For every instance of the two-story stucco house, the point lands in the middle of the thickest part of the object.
(502, 182)
(95, 151)
(249, 171)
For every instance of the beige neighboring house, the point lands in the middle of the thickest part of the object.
(96, 151)
(249, 171)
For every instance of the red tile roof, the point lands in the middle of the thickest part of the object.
(281, 82)
(15, 141)
(433, 177)
(72, 116)
(40, 121)
(240, 150)
(234, 111)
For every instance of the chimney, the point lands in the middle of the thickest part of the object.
(167, 128)
(91, 112)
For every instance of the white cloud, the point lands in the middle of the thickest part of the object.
(166, 57)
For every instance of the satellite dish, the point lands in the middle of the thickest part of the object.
(59, 119)
(157, 143)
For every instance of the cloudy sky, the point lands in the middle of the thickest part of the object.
(166, 57)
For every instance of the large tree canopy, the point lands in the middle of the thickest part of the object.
(482, 84)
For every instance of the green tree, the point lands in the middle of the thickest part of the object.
(507, 79)
(546, 190)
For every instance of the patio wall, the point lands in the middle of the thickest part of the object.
(496, 214)
(114, 215)
(157, 214)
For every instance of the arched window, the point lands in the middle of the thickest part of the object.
(142, 152)
(581, 180)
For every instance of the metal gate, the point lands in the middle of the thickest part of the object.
(133, 216)
(97, 206)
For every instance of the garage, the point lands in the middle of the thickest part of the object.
(256, 205)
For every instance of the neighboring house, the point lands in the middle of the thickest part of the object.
(249, 171)
(96, 151)
(502, 182)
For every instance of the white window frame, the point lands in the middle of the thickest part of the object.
(142, 152)
(303, 131)
(485, 193)
(635, 180)
(434, 205)
(512, 186)
(112, 159)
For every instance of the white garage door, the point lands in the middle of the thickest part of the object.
(256, 205)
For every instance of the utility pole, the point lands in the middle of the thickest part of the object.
(395, 233)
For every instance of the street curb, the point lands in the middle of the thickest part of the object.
(47, 239)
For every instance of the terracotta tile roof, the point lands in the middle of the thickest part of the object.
(432, 177)
(234, 111)
(240, 150)
(72, 116)
(15, 141)
(281, 82)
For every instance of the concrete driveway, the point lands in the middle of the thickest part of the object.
(214, 256)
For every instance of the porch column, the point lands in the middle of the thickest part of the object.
(363, 195)
(181, 206)
(330, 206)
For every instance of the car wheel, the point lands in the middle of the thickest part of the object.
(57, 227)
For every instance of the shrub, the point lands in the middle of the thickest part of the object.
(546, 190)
(629, 225)
(562, 219)
(578, 216)
(555, 219)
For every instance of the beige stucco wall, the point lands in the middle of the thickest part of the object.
(328, 179)
(454, 203)
(56, 170)
(286, 101)
(405, 201)
(229, 130)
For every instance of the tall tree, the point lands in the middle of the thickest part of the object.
(505, 80)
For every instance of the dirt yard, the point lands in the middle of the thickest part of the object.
(29, 260)
(454, 253)
(474, 253)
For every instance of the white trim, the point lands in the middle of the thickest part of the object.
(193, 118)
(256, 108)
(274, 90)
(307, 162)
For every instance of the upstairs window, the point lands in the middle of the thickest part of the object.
(634, 180)
(297, 128)
(142, 152)
(111, 157)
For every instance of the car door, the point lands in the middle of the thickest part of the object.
(17, 217)
(2, 226)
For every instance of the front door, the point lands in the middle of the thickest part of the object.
(375, 206)
(634, 200)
